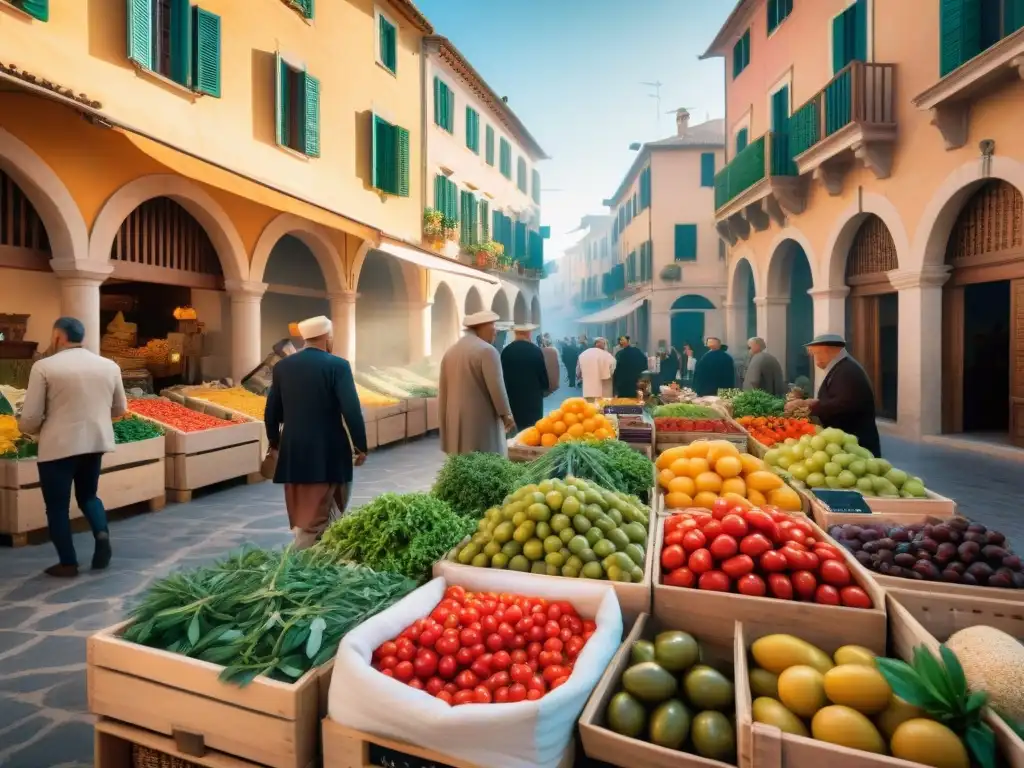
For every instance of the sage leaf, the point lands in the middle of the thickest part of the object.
(933, 676)
(316, 637)
(193, 630)
(975, 702)
(954, 672)
(981, 743)
(294, 638)
(906, 683)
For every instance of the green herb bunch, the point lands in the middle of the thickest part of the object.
(687, 411)
(939, 687)
(755, 402)
(259, 612)
(472, 483)
(132, 429)
(632, 471)
(398, 533)
(609, 463)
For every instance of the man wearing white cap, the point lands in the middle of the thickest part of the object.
(314, 394)
(472, 404)
(526, 377)
(595, 369)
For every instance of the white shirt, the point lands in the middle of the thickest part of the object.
(595, 368)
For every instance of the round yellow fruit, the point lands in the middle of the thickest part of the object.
(930, 743)
(708, 481)
(682, 485)
(764, 683)
(705, 499)
(728, 466)
(769, 711)
(777, 653)
(847, 728)
(785, 498)
(897, 713)
(764, 481)
(859, 687)
(802, 690)
(678, 500)
(854, 654)
(735, 486)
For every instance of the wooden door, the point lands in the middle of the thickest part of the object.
(1017, 362)
(865, 347)
(952, 359)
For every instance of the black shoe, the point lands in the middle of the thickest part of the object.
(61, 571)
(101, 555)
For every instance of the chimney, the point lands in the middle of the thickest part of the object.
(682, 122)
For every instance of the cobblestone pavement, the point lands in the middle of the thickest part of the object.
(44, 622)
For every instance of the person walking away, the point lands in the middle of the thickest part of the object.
(595, 369)
(845, 398)
(630, 364)
(551, 364)
(526, 378)
(570, 356)
(313, 396)
(689, 365)
(669, 365)
(715, 370)
(72, 397)
(764, 370)
(473, 408)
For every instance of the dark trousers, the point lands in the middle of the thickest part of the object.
(56, 479)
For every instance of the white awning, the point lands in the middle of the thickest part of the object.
(615, 311)
(427, 260)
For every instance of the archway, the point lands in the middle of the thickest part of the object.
(535, 310)
(688, 322)
(296, 289)
(519, 311)
(983, 314)
(499, 305)
(444, 321)
(382, 325)
(789, 308)
(872, 309)
(474, 303)
(742, 292)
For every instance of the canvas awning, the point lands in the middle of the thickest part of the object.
(616, 311)
(427, 260)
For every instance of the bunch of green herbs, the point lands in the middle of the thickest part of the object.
(574, 459)
(132, 429)
(687, 411)
(398, 533)
(472, 483)
(259, 612)
(632, 471)
(756, 402)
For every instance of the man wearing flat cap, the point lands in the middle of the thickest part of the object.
(473, 408)
(845, 399)
(526, 377)
(313, 394)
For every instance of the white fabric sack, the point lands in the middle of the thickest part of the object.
(526, 734)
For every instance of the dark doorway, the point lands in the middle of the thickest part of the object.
(987, 357)
(688, 328)
(888, 354)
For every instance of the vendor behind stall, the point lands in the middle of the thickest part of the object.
(845, 399)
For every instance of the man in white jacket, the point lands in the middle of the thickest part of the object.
(595, 368)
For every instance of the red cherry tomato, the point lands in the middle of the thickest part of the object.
(737, 566)
(826, 554)
(482, 695)
(404, 671)
(447, 667)
(489, 625)
(466, 680)
(388, 662)
(835, 572)
(481, 667)
(723, 547)
(751, 584)
(513, 614)
(385, 649)
(516, 692)
(501, 660)
(469, 637)
(714, 581)
(416, 683)
(446, 697)
(675, 537)
(559, 681)
(447, 645)
(388, 672)
(434, 686)
(501, 696)
(537, 684)
(464, 656)
(548, 658)
(672, 557)
(804, 584)
(464, 697)
(720, 508)
(456, 593)
(521, 673)
(681, 577)
(533, 694)
(693, 540)
(773, 562)
(780, 586)
(494, 642)
(762, 521)
(554, 672)
(755, 544)
(735, 526)
(518, 656)
(498, 680)
(712, 528)
(826, 595)
(425, 663)
(573, 647)
(452, 688)
(854, 597)
(553, 644)
(796, 559)
(700, 561)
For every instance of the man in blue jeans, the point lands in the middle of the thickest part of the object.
(72, 397)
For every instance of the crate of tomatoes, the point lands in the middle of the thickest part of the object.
(530, 648)
(749, 564)
(767, 431)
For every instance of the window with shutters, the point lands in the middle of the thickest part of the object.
(968, 27)
(521, 175)
(535, 186)
(850, 36)
(741, 54)
(742, 137)
(467, 217)
(707, 169)
(473, 130)
(489, 145)
(305, 8)
(778, 10)
(446, 197)
(37, 9)
(298, 109)
(389, 157)
(444, 105)
(505, 159)
(485, 221)
(387, 42)
(686, 242)
(172, 39)
(645, 189)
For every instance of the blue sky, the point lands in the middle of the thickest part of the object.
(572, 70)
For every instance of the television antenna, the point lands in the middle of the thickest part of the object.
(656, 85)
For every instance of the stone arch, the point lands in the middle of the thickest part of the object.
(733, 293)
(535, 310)
(312, 236)
(780, 259)
(832, 273)
(500, 305)
(188, 195)
(474, 302)
(65, 225)
(444, 319)
(786, 310)
(520, 314)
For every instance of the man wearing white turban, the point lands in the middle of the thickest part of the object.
(473, 408)
(314, 394)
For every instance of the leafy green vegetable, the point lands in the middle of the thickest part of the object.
(609, 463)
(687, 411)
(633, 472)
(755, 402)
(262, 612)
(398, 533)
(131, 429)
(472, 483)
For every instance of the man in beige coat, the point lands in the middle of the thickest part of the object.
(71, 399)
(473, 409)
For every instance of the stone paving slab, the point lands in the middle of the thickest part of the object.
(44, 622)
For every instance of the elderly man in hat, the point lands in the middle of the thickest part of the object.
(595, 369)
(526, 377)
(473, 407)
(715, 370)
(845, 399)
(313, 394)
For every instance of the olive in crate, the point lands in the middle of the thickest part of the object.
(569, 527)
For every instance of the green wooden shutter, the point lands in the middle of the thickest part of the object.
(707, 169)
(140, 32)
(453, 200)
(311, 125)
(485, 222)
(959, 33)
(380, 134)
(472, 129)
(439, 193)
(37, 9)
(780, 110)
(281, 107)
(472, 211)
(686, 242)
(536, 186)
(206, 52)
(839, 55)
(308, 7)
(859, 30)
(741, 140)
(402, 161)
(1013, 16)
(773, 15)
(489, 145)
(388, 41)
(181, 41)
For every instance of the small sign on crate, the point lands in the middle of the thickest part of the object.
(390, 758)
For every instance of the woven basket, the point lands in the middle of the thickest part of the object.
(144, 757)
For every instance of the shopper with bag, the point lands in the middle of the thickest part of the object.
(313, 394)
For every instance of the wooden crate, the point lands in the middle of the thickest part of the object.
(348, 748)
(601, 743)
(666, 440)
(433, 416)
(371, 434)
(131, 474)
(267, 722)
(756, 447)
(715, 612)
(114, 744)
(416, 404)
(634, 599)
(391, 429)
(202, 406)
(899, 511)
(416, 422)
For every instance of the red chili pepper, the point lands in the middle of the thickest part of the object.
(174, 415)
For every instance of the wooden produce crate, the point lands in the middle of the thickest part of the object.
(267, 722)
(391, 429)
(415, 404)
(666, 440)
(198, 459)
(348, 748)
(524, 453)
(601, 743)
(917, 618)
(131, 474)
(202, 406)
(755, 447)
(371, 434)
(715, 612)
(416, 421)
(634, 599)
(118, 745)
(433, 415)
(898, 511)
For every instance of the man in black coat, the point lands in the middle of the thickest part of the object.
(715, 370)
(314, 394)
(845, 399)
(570, 355)
(526, 378)
(630, 364)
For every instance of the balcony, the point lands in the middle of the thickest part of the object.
(851, 119)
(950, 99)
(760, 185)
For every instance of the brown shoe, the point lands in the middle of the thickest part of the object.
(62, 571)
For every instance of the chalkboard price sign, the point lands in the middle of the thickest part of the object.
(390, 758)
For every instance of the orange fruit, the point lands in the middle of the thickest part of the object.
(602, 434)
(530, 436)
(677, 501)
(682, 485)
(564, 438)
(728, 466)
(589, 410)
(544, 426)
(734, 485)
(559, 427)
(589, 424)
(548, 439)
(708, 481)
(555, 415)
(719, 448)
(570, 419)
(680, 467)
(786, 498)
(665, 477)
(698, 448)
(764, 481)
(750, 463)
(667, 457)
(698, 466)
(735, 498)
(705, 499)
(576, 430)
